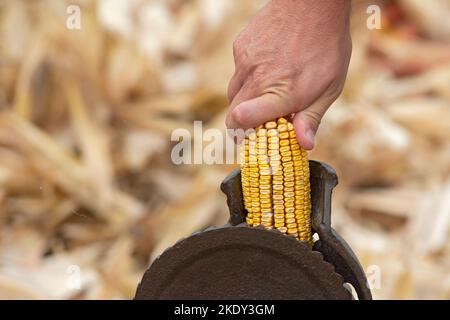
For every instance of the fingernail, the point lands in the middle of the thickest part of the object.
(310, 135)
(234, 117)
(227, 123)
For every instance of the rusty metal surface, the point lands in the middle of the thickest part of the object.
(238, 262)
(232, 188)
(333, 247)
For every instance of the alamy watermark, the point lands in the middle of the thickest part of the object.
(374, 19)
(211, 146)
(373, 274)
(73, 21)
(73, 280)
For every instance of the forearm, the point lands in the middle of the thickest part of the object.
(320, 15)
(313, 6)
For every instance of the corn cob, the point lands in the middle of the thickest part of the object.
(275, 180)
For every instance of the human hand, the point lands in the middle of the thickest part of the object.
(292, 58)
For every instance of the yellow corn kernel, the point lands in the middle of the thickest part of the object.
(275, 180)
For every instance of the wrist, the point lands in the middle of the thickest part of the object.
(312, 8)
(311, 4)
(317, 17)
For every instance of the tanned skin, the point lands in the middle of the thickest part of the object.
(292, 58)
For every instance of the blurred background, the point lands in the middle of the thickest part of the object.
(89, 195)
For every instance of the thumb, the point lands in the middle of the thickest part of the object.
(307, 121)
(251, 113)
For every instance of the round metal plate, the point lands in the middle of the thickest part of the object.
(241, 263)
